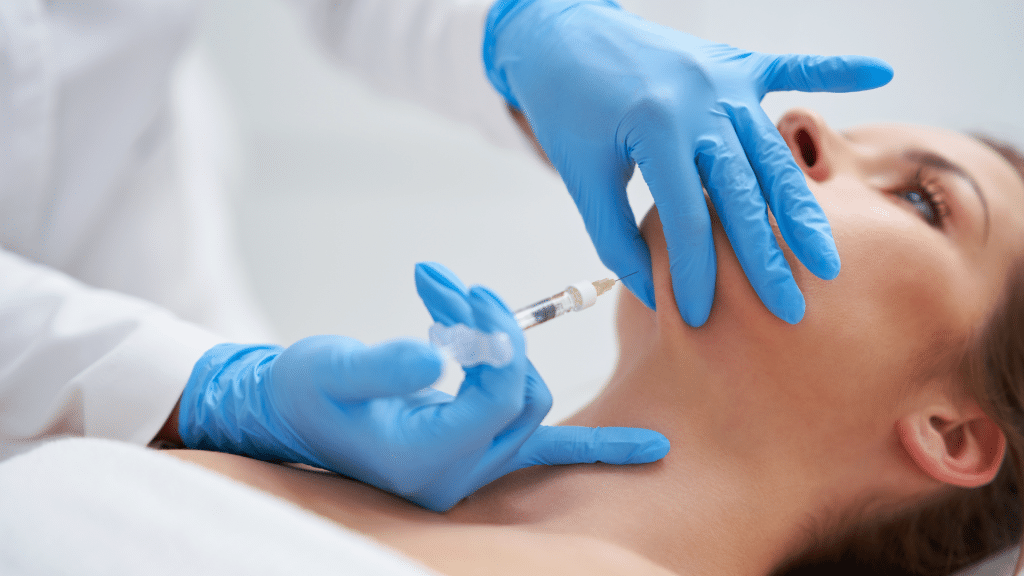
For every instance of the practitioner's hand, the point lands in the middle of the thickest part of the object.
(493, 426)
(605, 90)
(364, 412)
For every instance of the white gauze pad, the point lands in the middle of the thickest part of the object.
(471, 347)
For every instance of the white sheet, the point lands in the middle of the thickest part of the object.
(87, 506)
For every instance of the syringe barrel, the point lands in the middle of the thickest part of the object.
(544, 310)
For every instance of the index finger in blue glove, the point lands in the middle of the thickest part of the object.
(443, 294)
(581, 445)
(801, 220)
(672, 176)
(809, 73)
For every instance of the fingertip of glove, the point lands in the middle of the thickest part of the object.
(486, 294)
(782, 297)
(431, 364)
(792, 312)
(437, 273)
(644, 446)
(643, 289)
(822, 258)
(873, 72)
(695, 315)
(652, 451)
(649, 300)
(831, 265)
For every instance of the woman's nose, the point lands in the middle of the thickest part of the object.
(813, 143)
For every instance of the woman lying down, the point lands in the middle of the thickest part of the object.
(884, 431)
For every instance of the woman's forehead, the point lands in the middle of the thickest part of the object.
(962, 149)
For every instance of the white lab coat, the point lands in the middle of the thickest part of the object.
(116, 269)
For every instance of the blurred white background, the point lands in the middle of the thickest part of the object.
(343, 190)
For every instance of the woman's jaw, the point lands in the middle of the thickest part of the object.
(757, 392)
(908, 286)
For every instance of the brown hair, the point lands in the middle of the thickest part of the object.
(961, 526)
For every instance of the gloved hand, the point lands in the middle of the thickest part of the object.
(605, 90)
(332, 402)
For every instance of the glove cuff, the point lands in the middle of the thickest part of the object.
(223, 406)
(501, 15)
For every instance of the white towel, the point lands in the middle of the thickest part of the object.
(87, 506)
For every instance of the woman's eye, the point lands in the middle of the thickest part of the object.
(922, 204)
(929, 203)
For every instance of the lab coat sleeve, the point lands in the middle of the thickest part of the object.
(427, 51)
(75, 360)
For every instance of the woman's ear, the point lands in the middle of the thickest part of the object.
(954, 443)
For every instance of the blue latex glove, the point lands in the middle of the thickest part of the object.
(605, 90)
(332, 402)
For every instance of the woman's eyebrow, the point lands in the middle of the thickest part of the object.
(938, 162)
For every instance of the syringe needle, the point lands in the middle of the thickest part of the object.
(607, 284)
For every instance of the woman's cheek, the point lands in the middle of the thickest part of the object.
(904, 270)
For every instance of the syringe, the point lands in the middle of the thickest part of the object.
(573, 299)
(470, 347)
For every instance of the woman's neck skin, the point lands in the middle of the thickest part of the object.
(699, 511)
(737, 494)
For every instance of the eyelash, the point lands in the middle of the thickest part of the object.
(932, 196)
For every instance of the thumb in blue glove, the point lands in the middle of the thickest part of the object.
(605, 91)
(334, 403)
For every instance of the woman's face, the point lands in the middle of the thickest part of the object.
(927, 223)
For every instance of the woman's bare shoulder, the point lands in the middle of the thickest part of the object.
(450, 547)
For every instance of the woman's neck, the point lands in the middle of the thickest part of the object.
(708, 508)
